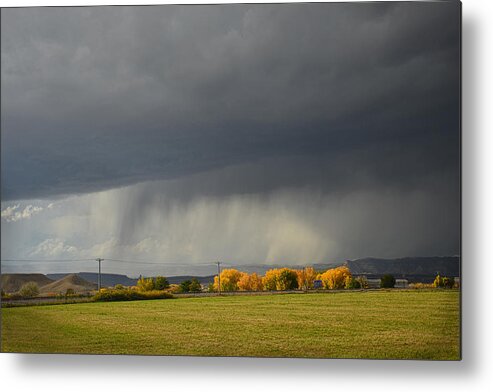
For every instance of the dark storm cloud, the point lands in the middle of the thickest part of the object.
(332, 96)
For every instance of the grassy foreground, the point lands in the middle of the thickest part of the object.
(377, 324)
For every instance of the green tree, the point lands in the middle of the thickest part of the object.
(185, 286)
(387, 281)
(351, 283)
(448, 282)
(195, 286)
(161, 283)
(29, 290)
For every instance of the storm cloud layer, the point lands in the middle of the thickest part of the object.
(301, 128)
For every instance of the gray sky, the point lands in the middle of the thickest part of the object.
(287, 134)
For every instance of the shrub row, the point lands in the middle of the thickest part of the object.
(130, 295)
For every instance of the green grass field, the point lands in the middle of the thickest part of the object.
(375, 324)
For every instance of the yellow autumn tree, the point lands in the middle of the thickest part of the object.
(269, 280)
(335, 278)
(280, 279)
(251, 282)
(287, 279)
(306, 277)
(229, 279)
(145, 284)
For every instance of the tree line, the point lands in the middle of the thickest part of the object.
(230, 280)
(281, 279)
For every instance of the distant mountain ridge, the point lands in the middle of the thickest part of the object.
(429, 266)
(107, 280)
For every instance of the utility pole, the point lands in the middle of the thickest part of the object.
(218, 277)
(99, 260)
(304, 280)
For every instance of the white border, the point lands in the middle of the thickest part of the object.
(142, 374)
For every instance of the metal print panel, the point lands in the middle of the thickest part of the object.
(259, 180)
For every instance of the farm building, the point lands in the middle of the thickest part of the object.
(401, 283)
(373, 283)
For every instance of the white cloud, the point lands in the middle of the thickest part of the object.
(53, 247)
(13, 214)
(8, 212)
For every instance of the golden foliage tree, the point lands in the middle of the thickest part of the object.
(145, 284)
(269, 280)
(306, 277)
(287, 279)
(229, 280)
(335, 278)
(280, 279)
(252, 282)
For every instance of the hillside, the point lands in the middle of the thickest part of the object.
(110, 280)
(107, 280)
(71, 281)
(424, 266)
(13, 282)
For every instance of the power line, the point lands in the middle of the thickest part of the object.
(116, 260)
(144, 262)
(162, 263)
(134, 262)
(46, 260)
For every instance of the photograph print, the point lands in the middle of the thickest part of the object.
(248, 180)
